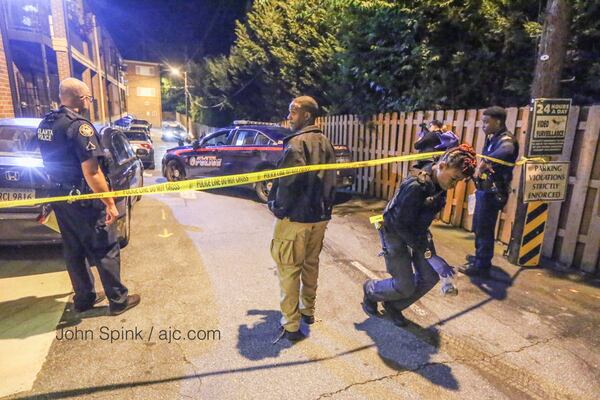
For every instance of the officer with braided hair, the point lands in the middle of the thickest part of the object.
(406, 221)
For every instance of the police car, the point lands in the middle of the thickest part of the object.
(23, 176)
(247, 146)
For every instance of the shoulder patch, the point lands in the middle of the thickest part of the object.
(86, 130)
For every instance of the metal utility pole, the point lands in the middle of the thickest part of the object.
(546, 84)
(187, 112)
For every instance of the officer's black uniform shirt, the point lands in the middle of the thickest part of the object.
(66, 140)
(503, 146)
(428, 142)
(414, 207)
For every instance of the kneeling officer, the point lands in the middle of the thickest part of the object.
(70, 149)
(406, 221)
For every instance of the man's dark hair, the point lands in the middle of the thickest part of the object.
(308, 104)
(496, 112)
(437, 123)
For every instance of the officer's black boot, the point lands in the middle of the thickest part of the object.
(308, 319)
(369, 306)
(471, 270)
(395, 315)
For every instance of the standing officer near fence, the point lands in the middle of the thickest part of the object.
(493, 188)
(72, 155)
(302, 204)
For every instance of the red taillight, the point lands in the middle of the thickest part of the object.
(147, 146)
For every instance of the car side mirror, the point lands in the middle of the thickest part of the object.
(196, 143)
(180, 142)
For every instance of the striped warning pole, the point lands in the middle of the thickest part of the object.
(533, 234)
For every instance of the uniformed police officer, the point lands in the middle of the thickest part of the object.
(72, 153)
(493, 188)
(408, 244)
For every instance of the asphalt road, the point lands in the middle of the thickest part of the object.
(209, 314)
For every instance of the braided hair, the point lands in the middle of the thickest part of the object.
(462, 157)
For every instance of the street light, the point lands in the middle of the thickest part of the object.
(177, 72)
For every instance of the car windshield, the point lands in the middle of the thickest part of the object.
(18, 139)
(136, 136)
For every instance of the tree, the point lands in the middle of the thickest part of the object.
(369, 56)
(282, 50)
(403, 55)
(171, 95)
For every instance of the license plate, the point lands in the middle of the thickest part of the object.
(16, 194)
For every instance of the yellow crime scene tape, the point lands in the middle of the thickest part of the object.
(231, 180)
(522, 161)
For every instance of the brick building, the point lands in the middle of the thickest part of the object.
(45, 41)
(143, 90)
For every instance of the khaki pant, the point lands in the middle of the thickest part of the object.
(295, 248)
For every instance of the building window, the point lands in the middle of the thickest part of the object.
(144, 70)
(146, 92)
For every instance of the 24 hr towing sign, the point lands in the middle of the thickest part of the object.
(546, 181)
(549, 126)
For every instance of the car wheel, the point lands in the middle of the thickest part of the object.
(262, 190)
(125, 227)
(174, 172)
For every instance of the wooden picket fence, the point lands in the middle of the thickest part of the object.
(573, 228)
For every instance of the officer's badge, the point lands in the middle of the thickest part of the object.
(86, 130)
(427, 254)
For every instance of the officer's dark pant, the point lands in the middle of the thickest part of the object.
(487, 208)
(405, 286)
(86, 236)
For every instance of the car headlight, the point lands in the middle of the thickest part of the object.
(30, 162)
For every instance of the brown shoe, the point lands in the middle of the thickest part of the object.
(132, 301)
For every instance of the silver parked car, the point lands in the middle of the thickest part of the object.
(22, 176)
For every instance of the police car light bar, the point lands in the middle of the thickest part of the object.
(246, 122)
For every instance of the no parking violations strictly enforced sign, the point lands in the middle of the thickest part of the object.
(546, 181)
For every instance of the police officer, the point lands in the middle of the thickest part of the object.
(302, 204)
(493, 188)
(432, 138)
(72, 156)
(408, 243)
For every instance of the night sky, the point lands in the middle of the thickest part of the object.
(172, 31)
